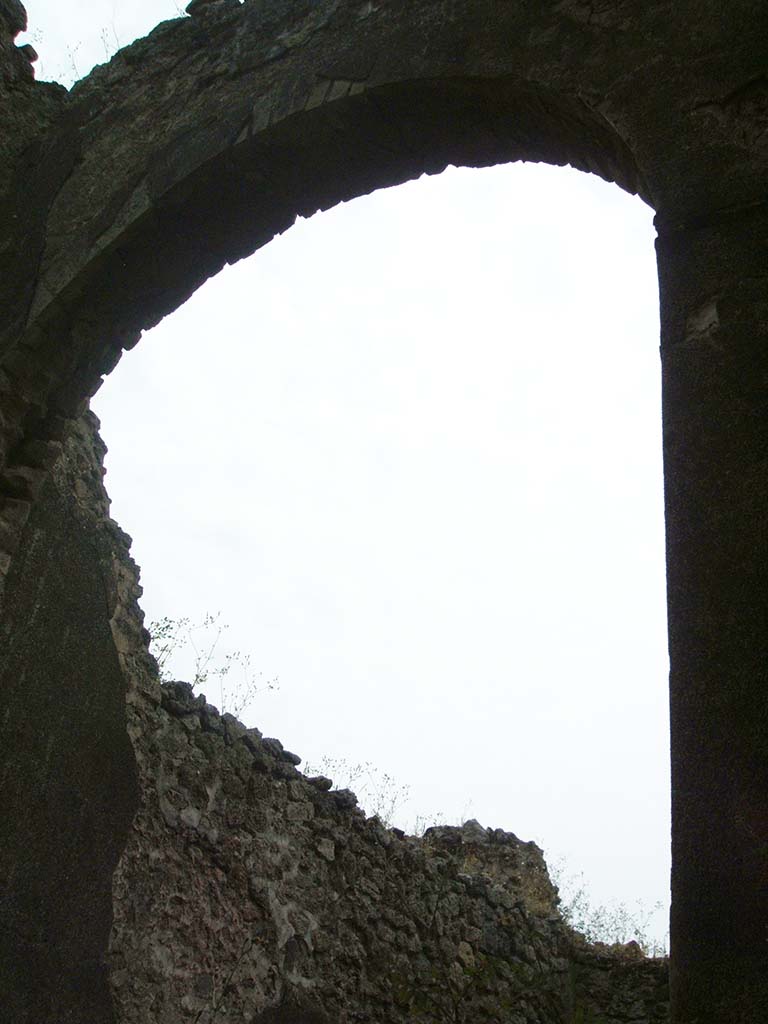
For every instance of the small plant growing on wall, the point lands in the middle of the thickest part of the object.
(200, 644)
(613, 925)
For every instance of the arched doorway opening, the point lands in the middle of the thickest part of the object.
(101, 248)
(431, 507)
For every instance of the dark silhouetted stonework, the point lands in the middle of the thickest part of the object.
(162, 862)
(251, 891)
(196, 145)
(69, 780)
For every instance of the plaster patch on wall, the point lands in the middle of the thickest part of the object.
(704, 323)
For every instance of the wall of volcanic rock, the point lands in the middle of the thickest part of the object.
(249, 892)
(167, 864)
(191, 149)
(68, 775)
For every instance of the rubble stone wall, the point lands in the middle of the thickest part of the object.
(249, 892)
(196, 145)
(161, 862)
(68, 777)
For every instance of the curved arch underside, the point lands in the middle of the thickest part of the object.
(195, 146)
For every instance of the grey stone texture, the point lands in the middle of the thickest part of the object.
(196, 145)
(165, 863)
(69, 780)
(247, 889)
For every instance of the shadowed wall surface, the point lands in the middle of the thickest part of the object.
(195, 873)
(69, 779)
(195, 146)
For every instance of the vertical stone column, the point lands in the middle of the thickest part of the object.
(714, 305)
(68, 774)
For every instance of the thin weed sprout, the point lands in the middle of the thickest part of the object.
(379, 792)
(238, 682)
(68, 73)
(614, 924)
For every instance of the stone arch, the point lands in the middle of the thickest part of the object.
(196, 145)
(124, 239)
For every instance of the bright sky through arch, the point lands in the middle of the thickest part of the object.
(411, 450)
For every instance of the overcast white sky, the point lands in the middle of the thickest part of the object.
(411, 450)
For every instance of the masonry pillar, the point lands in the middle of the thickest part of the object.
(68, 779)
(714, 305)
